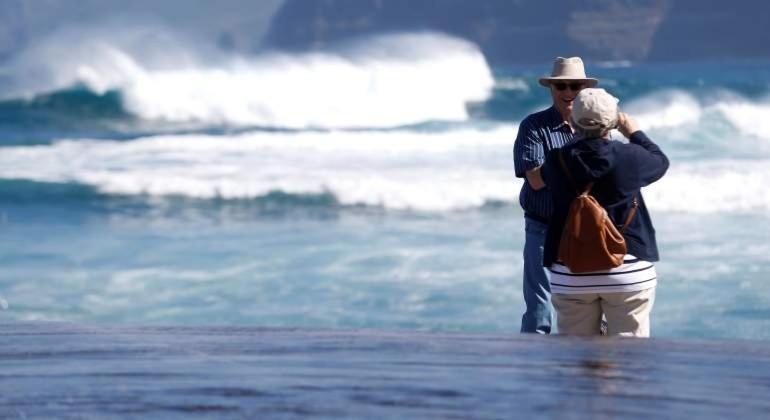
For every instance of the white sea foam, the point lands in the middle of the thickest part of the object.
(615, 64)
(437, 171)
(681, 115)
(512, 84)
(385, 81)
(98, 57)
(750, 117)
(665, 109)
(401, 169)
(724, 185)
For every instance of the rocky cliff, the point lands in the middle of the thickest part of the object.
(517, 31)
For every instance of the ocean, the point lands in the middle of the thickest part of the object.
(366, 187)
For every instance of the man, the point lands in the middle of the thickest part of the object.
(539, 133)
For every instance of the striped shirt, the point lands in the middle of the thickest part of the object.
(633, 276)
(538, 133)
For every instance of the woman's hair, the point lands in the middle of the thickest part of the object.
(591, 133)
(595, 131)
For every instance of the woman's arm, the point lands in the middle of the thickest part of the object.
(653, 163)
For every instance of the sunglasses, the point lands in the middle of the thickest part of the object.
(574, 86)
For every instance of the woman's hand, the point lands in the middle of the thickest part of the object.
(627, 125)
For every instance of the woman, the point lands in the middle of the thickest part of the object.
(625, 294)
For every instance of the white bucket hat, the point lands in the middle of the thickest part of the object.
(568, 69)
(594, 108)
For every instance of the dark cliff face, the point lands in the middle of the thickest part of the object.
(521, 31)
(713, 29)
(11, 31)
(315, 24)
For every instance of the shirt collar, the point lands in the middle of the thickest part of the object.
(555, 121)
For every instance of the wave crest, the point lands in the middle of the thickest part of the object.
(383, 81)
(446, 171)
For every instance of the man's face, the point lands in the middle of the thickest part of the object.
(563, 93)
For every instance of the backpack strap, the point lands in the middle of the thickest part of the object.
(569, 176)
(631, 215)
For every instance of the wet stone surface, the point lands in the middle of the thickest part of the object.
(50, 370)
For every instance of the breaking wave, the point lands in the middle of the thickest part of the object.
(381, 81)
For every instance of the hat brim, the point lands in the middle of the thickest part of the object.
(546, 81)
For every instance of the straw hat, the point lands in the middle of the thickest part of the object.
(568, 69)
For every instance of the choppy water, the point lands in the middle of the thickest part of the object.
(358, 188)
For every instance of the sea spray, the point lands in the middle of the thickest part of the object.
(383, 81)
(401, 169)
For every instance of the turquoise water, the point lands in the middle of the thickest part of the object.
(385, 202)
(348, 268)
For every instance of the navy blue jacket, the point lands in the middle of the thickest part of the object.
(618, 170)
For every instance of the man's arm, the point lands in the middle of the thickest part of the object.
(535, 179)
(529, 155)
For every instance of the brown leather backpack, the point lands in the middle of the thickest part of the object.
(590, 241)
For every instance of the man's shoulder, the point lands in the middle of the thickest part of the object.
(539, 119)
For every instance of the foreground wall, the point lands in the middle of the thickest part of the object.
(70, 371)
